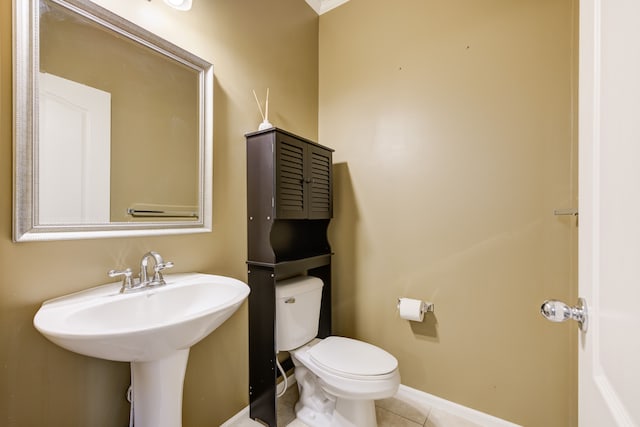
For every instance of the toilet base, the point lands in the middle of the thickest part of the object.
(354, 413)
(347, 413)
(316, 408)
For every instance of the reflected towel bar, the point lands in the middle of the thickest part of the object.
(161, 213)
(566, 211)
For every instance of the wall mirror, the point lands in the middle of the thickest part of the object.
(112, 127)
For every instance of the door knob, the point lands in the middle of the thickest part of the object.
(557, 311)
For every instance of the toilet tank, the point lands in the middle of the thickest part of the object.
(297, 311)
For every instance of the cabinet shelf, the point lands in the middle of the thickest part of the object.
(287, 268)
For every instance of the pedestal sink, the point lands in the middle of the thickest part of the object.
(153, 329)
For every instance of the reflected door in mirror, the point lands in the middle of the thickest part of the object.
(74, 153)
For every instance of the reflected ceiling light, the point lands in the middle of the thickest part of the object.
(179, 4)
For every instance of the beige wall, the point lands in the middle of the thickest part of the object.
(453, 125)
(253, 44)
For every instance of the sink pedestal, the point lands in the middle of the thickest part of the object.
(157, 390)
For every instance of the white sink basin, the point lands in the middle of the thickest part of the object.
(144, 325)
(153, 329)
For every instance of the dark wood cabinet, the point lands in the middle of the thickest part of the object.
(293, 171)
(289, 206)
(289, 196)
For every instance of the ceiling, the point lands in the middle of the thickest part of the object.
(322, 6)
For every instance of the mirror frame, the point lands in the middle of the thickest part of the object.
(25, 128)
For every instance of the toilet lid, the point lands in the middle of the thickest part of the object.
(352, 357)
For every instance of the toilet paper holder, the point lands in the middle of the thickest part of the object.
(426, 307)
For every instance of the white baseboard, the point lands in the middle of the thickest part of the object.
(418, 399)
(242, 415)
(423, 400)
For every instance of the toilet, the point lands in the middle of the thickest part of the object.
(338, 378)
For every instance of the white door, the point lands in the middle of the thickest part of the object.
(73, 153)
(609, 247)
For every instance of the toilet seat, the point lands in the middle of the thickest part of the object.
(344, 384)
(353, 359)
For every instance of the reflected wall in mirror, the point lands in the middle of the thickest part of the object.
(113, 127)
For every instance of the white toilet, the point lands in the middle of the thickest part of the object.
(338, 378)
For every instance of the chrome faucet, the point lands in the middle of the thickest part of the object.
(159, 265)
(130, 284)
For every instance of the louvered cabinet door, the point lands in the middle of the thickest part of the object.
(318, 180)
(290, 199)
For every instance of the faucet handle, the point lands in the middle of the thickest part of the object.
(157, 271)
(162, 266)
(127, 280)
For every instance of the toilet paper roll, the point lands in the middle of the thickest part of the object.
(411, 309)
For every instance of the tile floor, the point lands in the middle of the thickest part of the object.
(390, 412)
